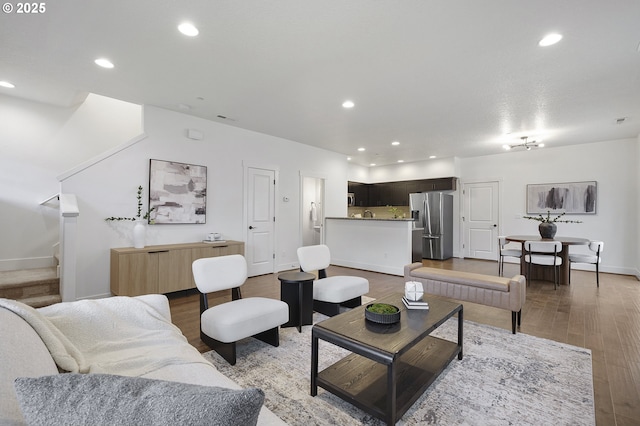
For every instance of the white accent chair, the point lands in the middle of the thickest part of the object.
(506, 252)
(546, 253)
(596, 247)
(221, 326)
(329, 293)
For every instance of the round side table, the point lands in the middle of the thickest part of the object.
(296, 289)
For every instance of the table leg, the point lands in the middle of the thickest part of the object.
(314, 364)
(391, 394)
(300, 287)
(460, 331)
(564, 268)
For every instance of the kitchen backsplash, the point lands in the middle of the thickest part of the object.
(380, 212)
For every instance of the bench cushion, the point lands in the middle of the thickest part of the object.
(238, 319)
(339, 289)
(465, 278)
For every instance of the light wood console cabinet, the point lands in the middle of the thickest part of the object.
(162, 268)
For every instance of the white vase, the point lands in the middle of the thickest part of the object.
(139, 233)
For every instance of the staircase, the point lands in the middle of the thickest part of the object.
(34, 287)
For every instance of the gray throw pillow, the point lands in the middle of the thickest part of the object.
(105, 399)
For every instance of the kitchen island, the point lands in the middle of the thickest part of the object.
(372, 244)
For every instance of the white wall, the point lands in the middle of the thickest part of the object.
(109, 188)
(637, 178)
(38, 142)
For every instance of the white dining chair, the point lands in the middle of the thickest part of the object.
(594, 259)
(506, 252)
(545, 253)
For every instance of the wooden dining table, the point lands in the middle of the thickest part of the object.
(541, 272)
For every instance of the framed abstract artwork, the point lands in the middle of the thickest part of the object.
(571, 197)
(177, 192)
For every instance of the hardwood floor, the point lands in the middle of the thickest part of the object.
(605, 320)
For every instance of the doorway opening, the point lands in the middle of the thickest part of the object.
(312, 210)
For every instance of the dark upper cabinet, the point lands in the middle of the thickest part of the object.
(361, 193)
(396, 193)
(426, 185)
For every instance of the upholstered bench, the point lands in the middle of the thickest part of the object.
(499, 292)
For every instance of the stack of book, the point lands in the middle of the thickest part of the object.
(415, 304)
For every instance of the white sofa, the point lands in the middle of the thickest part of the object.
(24, 354)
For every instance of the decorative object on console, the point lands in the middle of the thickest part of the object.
(548, 227)
(139, 216)
(140, 228)
(177, 192)
(571, 198)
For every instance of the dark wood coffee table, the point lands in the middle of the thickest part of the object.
(391, 365)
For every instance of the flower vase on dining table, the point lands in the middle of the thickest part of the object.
(547, 230)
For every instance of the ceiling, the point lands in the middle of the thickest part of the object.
(444, 78)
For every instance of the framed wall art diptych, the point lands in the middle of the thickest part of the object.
(177, 192)
(571, 197)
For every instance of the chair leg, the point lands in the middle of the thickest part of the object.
(271, 336)
(597, 275)
(326, 308)
(225, 350)
(569, 272)
(555, 277)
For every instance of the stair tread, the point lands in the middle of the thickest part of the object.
(9, 279)
(41, 301)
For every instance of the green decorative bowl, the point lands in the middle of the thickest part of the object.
(382, 313)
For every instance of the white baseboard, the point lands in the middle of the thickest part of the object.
(29, 263)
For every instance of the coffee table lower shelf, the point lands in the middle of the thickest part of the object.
(364, 383)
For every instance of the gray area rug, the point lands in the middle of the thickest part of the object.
(503, 379)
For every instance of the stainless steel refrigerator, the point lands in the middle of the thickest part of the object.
(433, 211)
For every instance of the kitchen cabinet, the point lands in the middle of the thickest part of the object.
(162, 268)
(396, 193)
(361, 193)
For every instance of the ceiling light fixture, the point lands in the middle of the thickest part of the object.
(372, 164)
(400, 161)
(348, 104)
(432, 157)
(395, 143)
(550, 39)
(188, 29)
(526, 144)
(361, 149)
(7, 84)
(104, 63)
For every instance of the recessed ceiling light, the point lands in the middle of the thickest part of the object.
(394, 143)
(188, 29)
(348, 104)
(550, 39)
(348, 158)
(104, 63)
(361, 149)
(372, 164)
(400, 161)
(7, 84)
(432, 157)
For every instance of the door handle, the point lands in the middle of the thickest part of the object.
(495, 226)
(253, 227)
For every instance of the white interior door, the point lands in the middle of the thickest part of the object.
(480, 221)
(260, 199)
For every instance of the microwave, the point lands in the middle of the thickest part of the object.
(351, 199)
